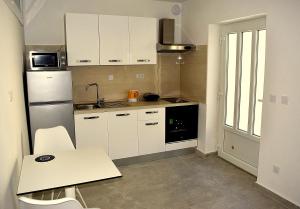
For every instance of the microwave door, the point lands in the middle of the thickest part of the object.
(44, 60)
(49, 86)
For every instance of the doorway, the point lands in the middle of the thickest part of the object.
(243, 47)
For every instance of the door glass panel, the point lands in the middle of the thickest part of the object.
(230, 81)
(245, 80)
(261, 51)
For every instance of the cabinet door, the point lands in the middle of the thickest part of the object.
(143, 40)
(82, 39)
(91, 131)
(123, 138)
(151, 136)
(114, 40)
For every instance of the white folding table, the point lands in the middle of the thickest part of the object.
(68, 168)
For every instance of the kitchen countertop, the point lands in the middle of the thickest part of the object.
(136, 106)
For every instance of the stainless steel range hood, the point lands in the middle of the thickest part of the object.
(166, 38)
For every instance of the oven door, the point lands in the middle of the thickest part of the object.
(181, 123)
(44, 60)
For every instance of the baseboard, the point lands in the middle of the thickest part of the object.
(276, 197)
(239, 163)
(152, 157)
(203, 155)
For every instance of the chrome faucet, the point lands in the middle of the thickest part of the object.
(99, 101)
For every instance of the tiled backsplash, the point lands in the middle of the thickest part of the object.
(163, 78)
(124, 78)
(167, 78)
(193, 74)
(169, 75)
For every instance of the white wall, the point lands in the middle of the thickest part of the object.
(13, 128)
(47, 27)
(280, 132)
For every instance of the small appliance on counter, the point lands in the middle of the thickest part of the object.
(133, 95)
(151, 97)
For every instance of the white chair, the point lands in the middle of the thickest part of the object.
(63, 203)
(53, 140)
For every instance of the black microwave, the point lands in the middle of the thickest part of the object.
(47, 60)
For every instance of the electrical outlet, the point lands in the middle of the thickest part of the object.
(276, 169)
(110, 77)
(140, 75)
(11, 96)
(273, 98)
(284, 100)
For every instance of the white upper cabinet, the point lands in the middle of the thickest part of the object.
(82, 39)
(114, 40)
(143, 39)
(110, 40)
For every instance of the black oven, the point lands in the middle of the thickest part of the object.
(181, 123)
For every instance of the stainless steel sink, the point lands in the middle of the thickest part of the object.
(86, 106)
(102, 105)
(115, 104)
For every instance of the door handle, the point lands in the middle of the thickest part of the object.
(143, 60)
(114, 60)
(121, 115)
(91, 118)
(84, 61)
(151, 124)
(151, 112)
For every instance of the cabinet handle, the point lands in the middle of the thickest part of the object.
(124, 114)
(143, 60)
(114, 60)
(151, 124)
(151, 112)
(84, 61)
(91, 118)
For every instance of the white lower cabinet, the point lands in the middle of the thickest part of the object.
(122, 134)
(151, 131)
(91, 130)
(123, 137)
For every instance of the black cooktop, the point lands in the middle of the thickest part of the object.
(175, 100)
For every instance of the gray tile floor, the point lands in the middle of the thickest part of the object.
(182, 182)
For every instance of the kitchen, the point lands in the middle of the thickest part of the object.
(98, 90)
(108, 71)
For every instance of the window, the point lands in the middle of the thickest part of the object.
(245, 77)
(231, 74)
(245, 67)
(260, 74)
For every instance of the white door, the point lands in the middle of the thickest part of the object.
(123, 136)
(114, 40)
(151, 130)
(82, 39)
(143, 40)
(91, 131)
(242, 77)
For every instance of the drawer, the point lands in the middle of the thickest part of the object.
(89, 116)
(151, 114)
